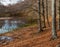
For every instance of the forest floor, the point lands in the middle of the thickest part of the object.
(29, 37)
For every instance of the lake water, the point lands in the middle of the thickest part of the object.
(9, 25)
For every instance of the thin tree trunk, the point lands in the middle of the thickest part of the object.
(59, 14)
(43, 14)
(47, 13)
(39, 17)
(54, 33)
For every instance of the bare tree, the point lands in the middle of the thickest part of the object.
(59, 14)
(39, 17)
(43, 9)
(47, 13)
(54, 33)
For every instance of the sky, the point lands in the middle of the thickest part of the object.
(7, 2)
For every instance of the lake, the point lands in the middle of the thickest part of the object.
(7, 25)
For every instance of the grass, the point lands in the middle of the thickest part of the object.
(28, 24)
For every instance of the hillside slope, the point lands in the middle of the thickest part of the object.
(29, 37)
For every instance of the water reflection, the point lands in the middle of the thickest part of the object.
(8, 26)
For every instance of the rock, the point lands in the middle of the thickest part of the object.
(5, 39)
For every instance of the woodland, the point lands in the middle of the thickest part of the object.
(41, 27)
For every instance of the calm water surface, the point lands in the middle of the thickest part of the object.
(9, 25)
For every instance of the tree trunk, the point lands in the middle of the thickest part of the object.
(59, 14)
(54, 33)
(39, 17)
(43, 14)
(47, 13)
